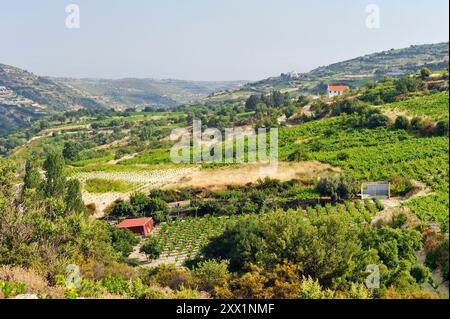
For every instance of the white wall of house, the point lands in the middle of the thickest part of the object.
(332, 94)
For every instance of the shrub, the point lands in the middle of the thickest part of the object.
(417, 123)
(425, 73)
(172, 277)
(377, 120)
(210, 274)
(442, 128)
(421, 273)
(337, 187)
(400, 185)
(402, 123)
(115, 285)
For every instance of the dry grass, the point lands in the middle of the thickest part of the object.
(35, 284)
(219, 178)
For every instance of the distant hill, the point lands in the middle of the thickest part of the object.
(131, 92)
(355, 72)
(24, 96)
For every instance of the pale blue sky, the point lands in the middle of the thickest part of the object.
(207, 39)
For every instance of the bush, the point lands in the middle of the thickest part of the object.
(210, 274)
(421, 273)
(442, 128)
(377, 120)
(425, 73)
(402, 123)
(115, 285)
(417, 123)
(400, 185)
(172, 277)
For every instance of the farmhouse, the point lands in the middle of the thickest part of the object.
(139, 226)
(336, 90)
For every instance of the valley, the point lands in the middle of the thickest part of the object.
(71, 177)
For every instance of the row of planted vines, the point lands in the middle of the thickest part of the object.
(182, 239)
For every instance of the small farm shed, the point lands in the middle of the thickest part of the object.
(375, 189)
(139, 226)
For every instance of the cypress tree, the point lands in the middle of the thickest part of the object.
(74, 201)
(54, 171)
(32, 179)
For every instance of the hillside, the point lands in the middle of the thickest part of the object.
(355, 72)
(216, 215)
(24, 96)
(131, 92)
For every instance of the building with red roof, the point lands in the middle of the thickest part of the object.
(336, 90)
(139, 226)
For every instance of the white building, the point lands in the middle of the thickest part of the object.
(336, 90)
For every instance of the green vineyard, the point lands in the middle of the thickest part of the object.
(183, 238)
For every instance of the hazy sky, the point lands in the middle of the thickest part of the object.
(207, 39)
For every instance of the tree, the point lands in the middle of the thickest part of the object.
(74, 199)
(304, 100)
(7, 170)
(252, 101)
(123, 240)
(211, 274)
(425, 73)
(322, 249)
(407, 84)
(339, 188)
(402, 123)
(32, 179)
(71, 151)
(141, 203)
(54, 171)
(159, 209)
(146, 133)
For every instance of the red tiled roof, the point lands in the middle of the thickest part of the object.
(338, 88)
(138, 222)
